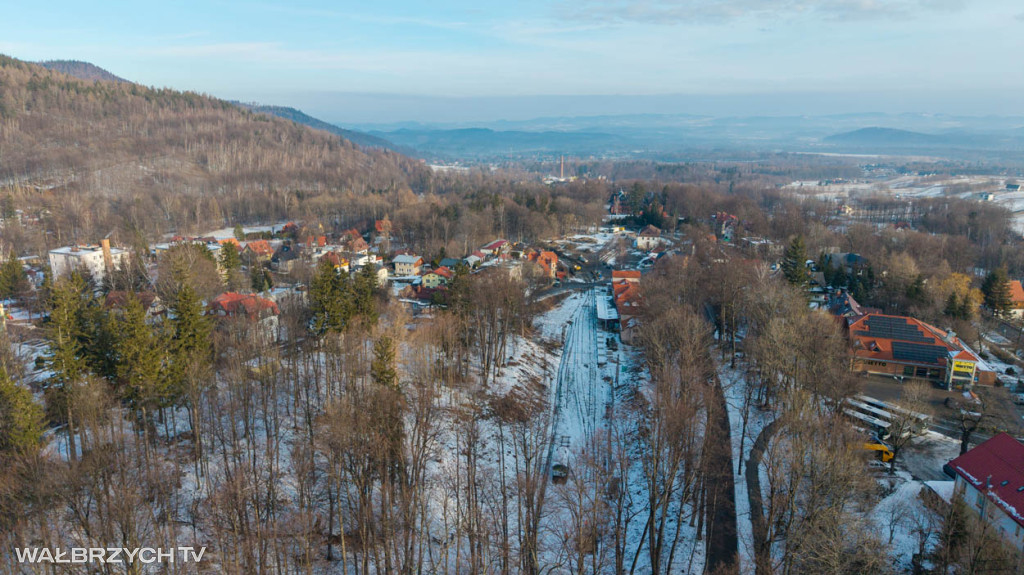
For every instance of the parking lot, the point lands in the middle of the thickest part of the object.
(1001, 411)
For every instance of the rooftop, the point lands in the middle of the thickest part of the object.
(996, 467)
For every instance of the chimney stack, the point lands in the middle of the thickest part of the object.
(108, 260)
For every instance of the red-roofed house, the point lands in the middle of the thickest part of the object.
(1017, 299)
(906, 347)
(990, 479)
(496, 248)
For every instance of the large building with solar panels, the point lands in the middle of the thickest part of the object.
(905, 347)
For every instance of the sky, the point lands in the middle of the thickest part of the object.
(450, 60)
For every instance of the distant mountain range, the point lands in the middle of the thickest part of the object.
(300, 117)
(660, 136)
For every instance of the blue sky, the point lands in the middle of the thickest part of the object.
(432, 59)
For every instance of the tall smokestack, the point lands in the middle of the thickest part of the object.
(561, 171)
(108, 260)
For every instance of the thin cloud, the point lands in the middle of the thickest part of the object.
(720, 11)
(1020, 17)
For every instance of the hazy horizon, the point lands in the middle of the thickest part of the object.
(453, 60)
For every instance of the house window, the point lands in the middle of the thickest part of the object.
(908, 370)
(980, 500)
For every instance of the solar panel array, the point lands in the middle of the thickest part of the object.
(893, 328)
(917, 352)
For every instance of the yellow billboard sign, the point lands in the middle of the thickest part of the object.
(963, 366)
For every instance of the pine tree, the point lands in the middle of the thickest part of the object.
(952, 308)
(13, 280)
(229, 259)
(21, 418)
(140, 359)
(239, 233)
(257, 279)
(794, 263)
(190, 346)
(67, 363)
(382, 368)
(365, 291)
(331, 299)
(996, 289)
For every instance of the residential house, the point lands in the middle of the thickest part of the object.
(547, 261)
(258, 251)
(252, 307)
(357, 245)
(449, 263)
(284, 258)
(630, 276)
(1016, 299)
(1012, 187)
(725, 226)
(990, 481)
(436, 278)
(648, 238)
(906, 347)
(475, 259)
(407, 265)
(340, 263)
(118, 299)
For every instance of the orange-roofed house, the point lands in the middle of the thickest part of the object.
(632, 276)
(258, 250)
(1017, 299)
(250, 307)
(548, 261)
(904, 347)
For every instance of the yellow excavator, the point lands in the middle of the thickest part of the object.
(884, 452)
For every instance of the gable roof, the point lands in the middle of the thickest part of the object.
(496, 244)
(650, 231)
(407, 259)
(625, 275)
(1017, 293)
(996, 468)
(260, 247)
(903, 339)
(251, 305)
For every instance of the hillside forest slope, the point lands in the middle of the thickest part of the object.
(156, 160)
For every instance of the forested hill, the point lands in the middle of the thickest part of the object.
(81, 70)
(162, 149)
(300, 117)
